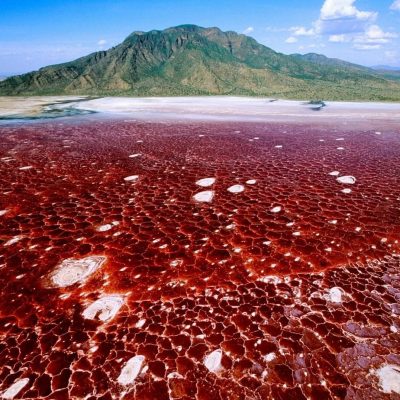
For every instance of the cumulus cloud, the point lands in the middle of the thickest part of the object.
(302, 31)
(342, 16)
(338, 38)
(248, 30)
(291, 39)
(395, 5)
(337, 9)
(102, 42)
(374, 36)
(341, 21)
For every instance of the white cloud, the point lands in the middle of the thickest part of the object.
(395, 6)
(302, 31)
(342, 16)
(102, 42)
(337, 9)
(342, 22)
(338, 38)
(248, 30)
(374, 35)
(291, 39)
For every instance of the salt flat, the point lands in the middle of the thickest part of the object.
(238, 108)
(211, 108)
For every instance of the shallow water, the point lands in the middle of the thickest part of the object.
(288, 289)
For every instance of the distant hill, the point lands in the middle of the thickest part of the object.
(191, 60)
(385, 68)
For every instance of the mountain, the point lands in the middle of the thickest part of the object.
(191, 60)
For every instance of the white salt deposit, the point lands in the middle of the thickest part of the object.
(251, 182)
(104, 228)
(389, 378)
(15, 388)
(72, 270)
(204, 197)
(271, 279)
(3, 212)
(269, 357)
(13, 240)
(140, 323)
(135, 155)
(335, 295)
(347, 180)
(213, 361)
(107, 227)
(25, 168)
(278, 147)
(346, 191)
(205, 182)
(131, 178)
(105, 308)
(334, 173)
(131, 370)
(276, 209)
(236, 189)
(221, 107)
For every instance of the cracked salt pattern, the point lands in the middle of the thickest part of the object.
(208, 300)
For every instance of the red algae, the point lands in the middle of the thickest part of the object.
(118, 282)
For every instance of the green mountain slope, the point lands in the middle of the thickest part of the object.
(190, 60)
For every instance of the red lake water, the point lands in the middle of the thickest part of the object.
(199, 260)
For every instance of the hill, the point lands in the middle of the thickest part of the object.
(191, 60)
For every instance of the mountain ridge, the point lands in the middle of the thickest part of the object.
(192, 60)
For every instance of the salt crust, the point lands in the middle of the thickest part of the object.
(104, 308)
(204, 197)
(131, 370)
(205, 182)
(236, 189)
(213, 361)
(71, 270)
(15, 388)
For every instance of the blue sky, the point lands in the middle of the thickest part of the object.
(35, 33)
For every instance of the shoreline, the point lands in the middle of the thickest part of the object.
(216, 108)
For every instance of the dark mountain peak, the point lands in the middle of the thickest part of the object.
(185, 28)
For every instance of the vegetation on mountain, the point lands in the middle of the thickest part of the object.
(191, 60)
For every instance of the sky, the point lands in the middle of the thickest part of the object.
(36, 33)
